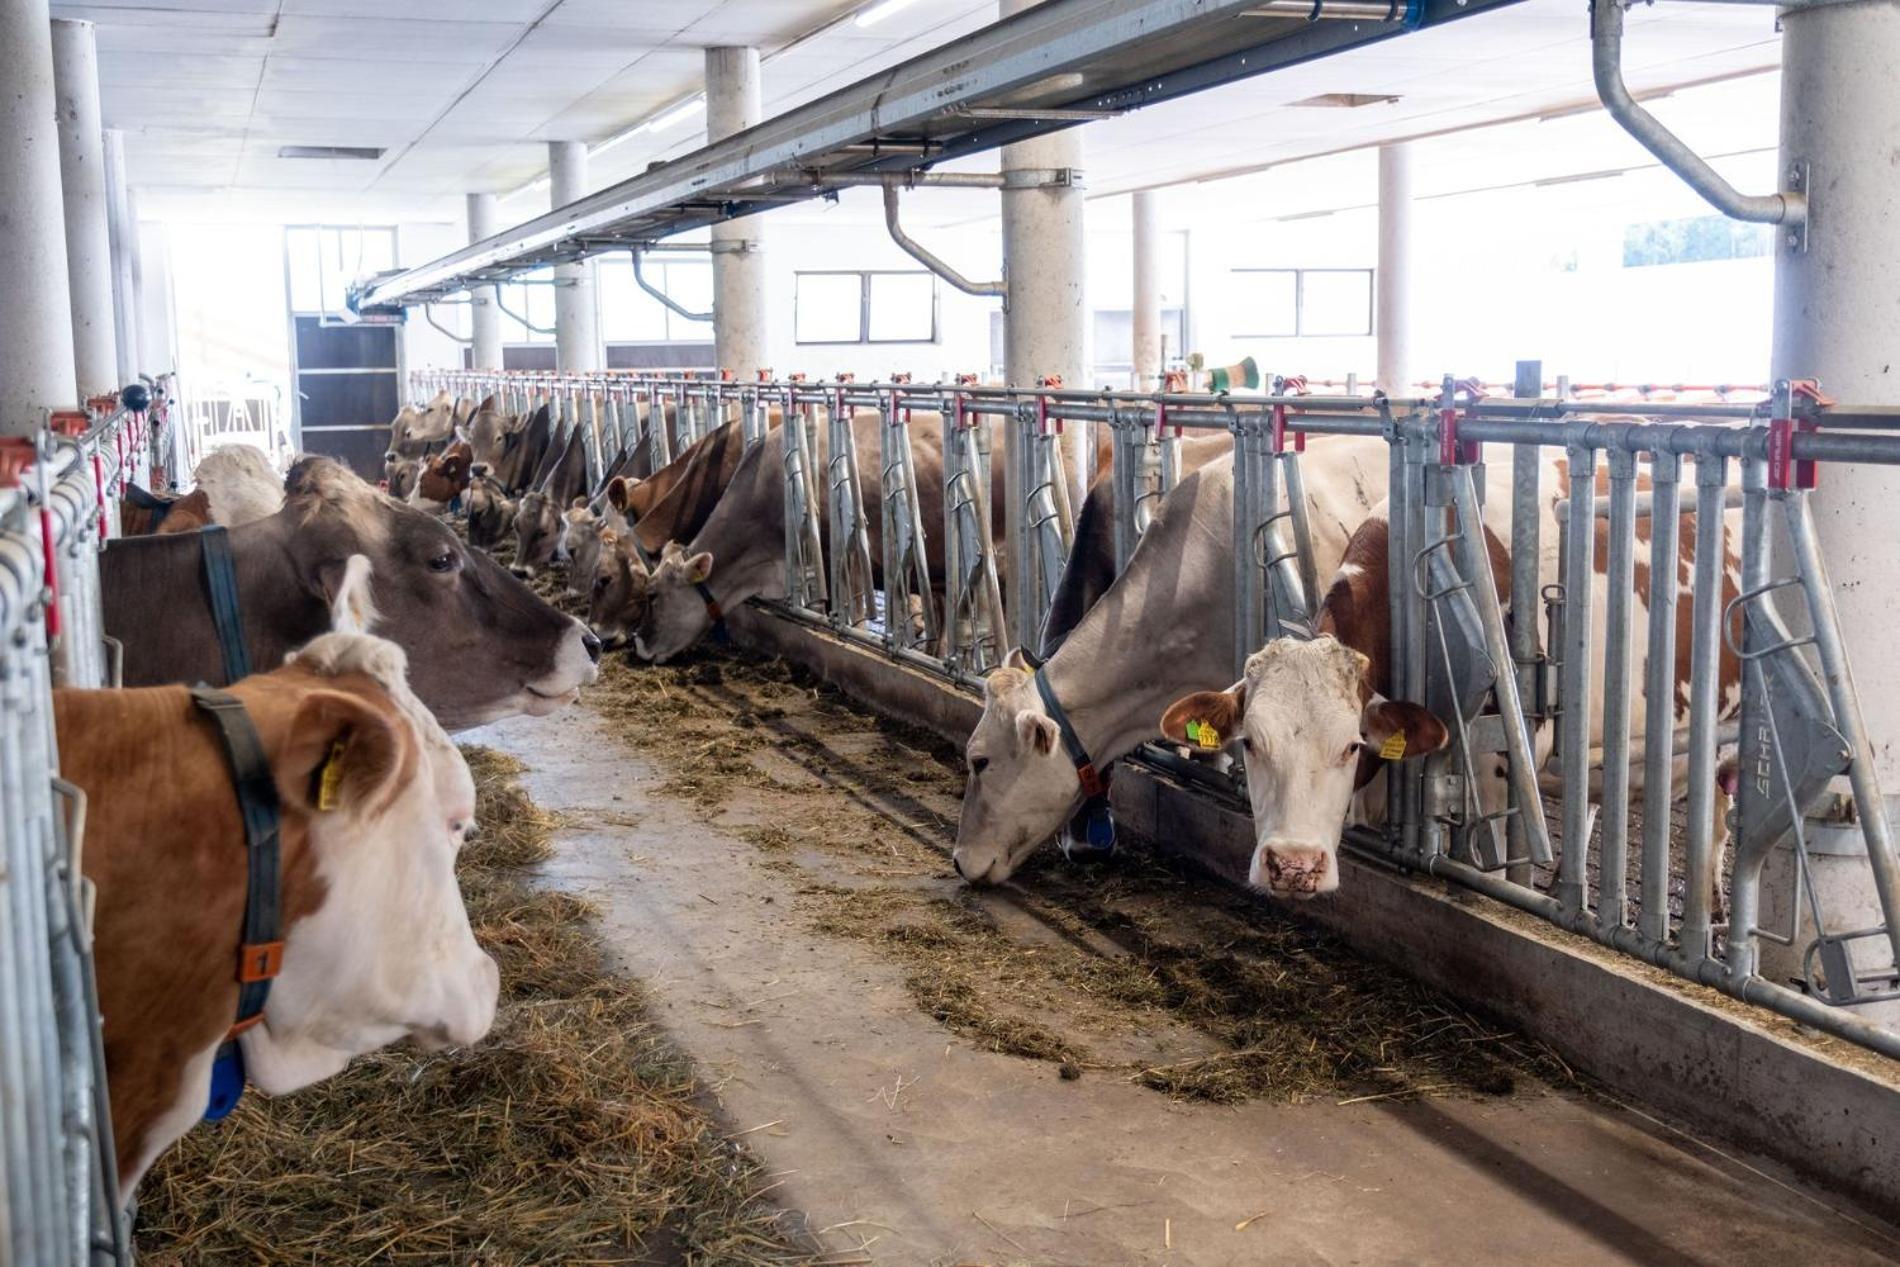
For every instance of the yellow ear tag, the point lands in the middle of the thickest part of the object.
(330, 777)
(1203, 735)
(1394, 747)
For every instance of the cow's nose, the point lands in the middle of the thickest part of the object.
(958, 864)
(593, 646)
(390, 456)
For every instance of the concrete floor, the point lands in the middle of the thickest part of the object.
(902, 1143)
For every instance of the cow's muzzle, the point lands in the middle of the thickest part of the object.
(1290, 870)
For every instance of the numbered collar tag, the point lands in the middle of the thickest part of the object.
(1394, 746)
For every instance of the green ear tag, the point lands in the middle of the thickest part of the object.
(1203, 735)
(1394, 747)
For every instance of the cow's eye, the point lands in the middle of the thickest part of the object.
(443, 562)
(979, 764)
(601, 583)
(1246, 744)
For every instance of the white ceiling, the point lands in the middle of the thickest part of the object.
(208, 89)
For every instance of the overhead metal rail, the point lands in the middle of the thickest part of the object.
(1061, 63)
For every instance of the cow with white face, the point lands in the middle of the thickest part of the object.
(374, 804)
(1164, 628)
(1312, 733)
(1310, 721)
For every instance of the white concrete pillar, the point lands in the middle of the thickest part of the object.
(1146, 218)
(1046, 317)
(119, 226)
(738, 246)
(484, 316)
(1837, 313)
(1392, 303)
(82, 175)
(1837, 318)
(36, 330)
(576, 329)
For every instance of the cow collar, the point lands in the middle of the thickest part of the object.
(221, 581)
(721, 634)
(1094, 782)
(261, 951)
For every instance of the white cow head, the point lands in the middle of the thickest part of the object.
(389, 953)
(1311, 733)
(1022, 786)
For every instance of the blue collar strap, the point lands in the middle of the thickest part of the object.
(221, 583)
(1094, 782)
(261, 948)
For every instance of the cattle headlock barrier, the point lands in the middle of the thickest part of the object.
(1649, 889)
(59, 499)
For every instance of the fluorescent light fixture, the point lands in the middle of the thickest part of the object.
(329, 151)
(617, 138)
(881, 10)
(679, 115)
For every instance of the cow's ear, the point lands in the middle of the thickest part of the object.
(1037, 730)
(346, 586)
(617, 490)
(1395, 729)
(1208, 720)
(698, 568)
(341, 755)
(1017, 660)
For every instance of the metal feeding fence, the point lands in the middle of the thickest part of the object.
(1500, 675)
(59, 496)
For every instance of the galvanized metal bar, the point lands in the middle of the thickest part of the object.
(1620, 582)
(1573, 723)
(1659, 692)
(1699, 878)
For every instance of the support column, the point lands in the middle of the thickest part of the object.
(1147, 315)
(119, 234)
(738, 246)
(1045, 323)
(36, 329)
(1392, 308)
(1837, 318)
(484, 316)
(82, 176)
(576, 333)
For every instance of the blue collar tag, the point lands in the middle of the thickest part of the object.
(227, 1082)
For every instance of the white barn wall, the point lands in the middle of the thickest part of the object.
(423, 346)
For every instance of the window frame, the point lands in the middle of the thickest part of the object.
(1299, 301)
(864, 276)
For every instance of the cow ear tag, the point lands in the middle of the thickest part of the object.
(330, 777)
(1394, 747)
(1203, 735)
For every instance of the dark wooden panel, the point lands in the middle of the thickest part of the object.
(360, 448)
(348, 400)
(344, 347)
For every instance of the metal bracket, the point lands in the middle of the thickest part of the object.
(1043, 178)
(1794, 235)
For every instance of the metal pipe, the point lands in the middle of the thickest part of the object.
(518, 317)
(1328, 10)
(428, 315)
(666, 299)
(1659, 692)
(988, 290)
(1606, 41)
(1573, 723)
(1619, 579)
(1711, 473)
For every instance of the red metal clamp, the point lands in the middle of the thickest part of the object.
(1785, 471)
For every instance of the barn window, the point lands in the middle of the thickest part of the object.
(1282, 303)
(1694, 241)
(865, 307)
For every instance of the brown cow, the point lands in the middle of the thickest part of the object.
(374, 804)
(481, 645)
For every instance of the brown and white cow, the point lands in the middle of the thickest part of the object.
(1158, 632)
(1311, 719)
(233, 484)
(377, 945)
(481, 645)
(442, 478)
